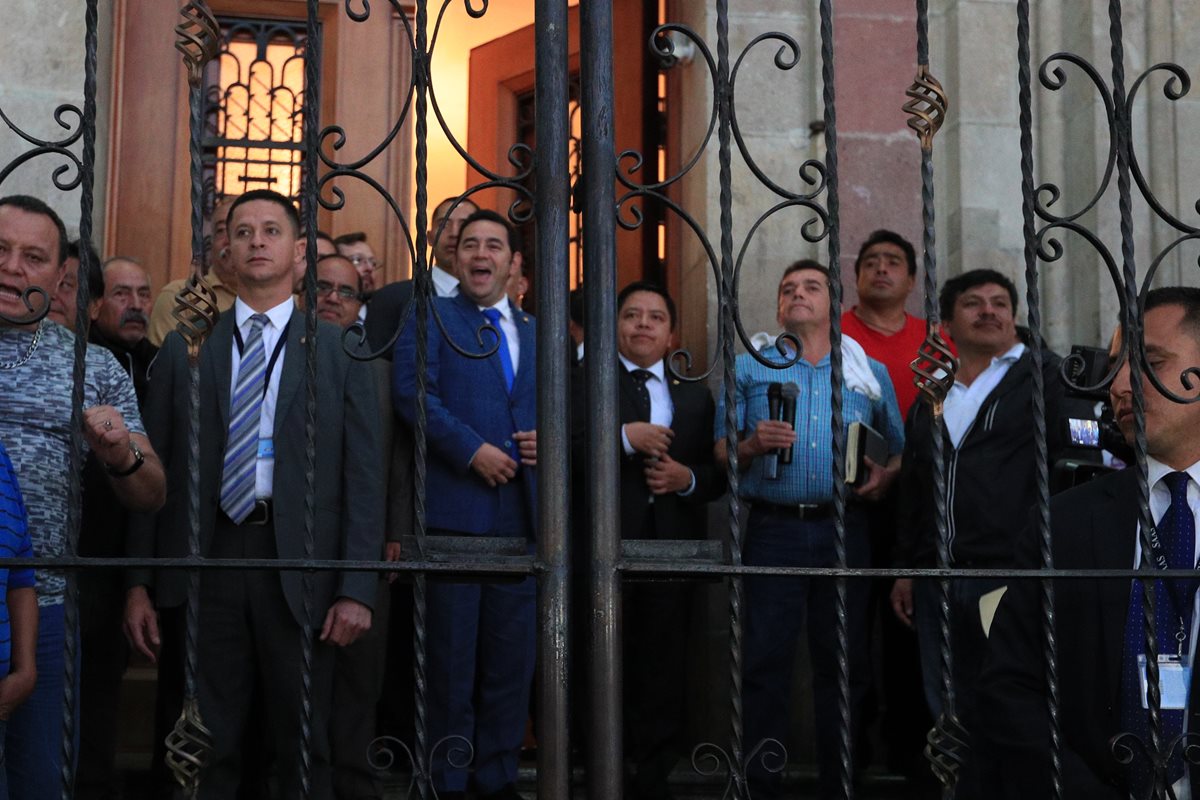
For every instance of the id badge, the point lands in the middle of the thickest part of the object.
(266, 448)
(1174, 675)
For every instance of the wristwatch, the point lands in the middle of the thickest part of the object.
(139, 458)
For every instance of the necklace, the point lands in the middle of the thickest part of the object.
(884, 329)
(37, 337)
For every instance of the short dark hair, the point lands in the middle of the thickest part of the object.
(969, 280)
(331, 256)
(1186, 297)
(487, 215)
(95, 273)
(271, 196)
(802, 264)
(322, 235)
(652, 288)
(451, 201)
(575, 305)
(350, 238)
(33, 205)
(884, 236)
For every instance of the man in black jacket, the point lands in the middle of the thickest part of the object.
(120, 309)
(668, 475)
(990, 469)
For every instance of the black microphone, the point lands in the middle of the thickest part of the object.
(790, 392)
(774, 412)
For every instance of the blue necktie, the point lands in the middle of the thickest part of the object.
(241, 448)
(1177, 535)
(493, 316)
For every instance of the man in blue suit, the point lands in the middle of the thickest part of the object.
(481, 481)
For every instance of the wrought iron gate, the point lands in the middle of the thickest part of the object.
(549, 206)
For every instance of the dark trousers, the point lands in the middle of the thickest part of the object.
(357, 684)
(777, 609)
(250, 646)
(655, 659)
(481, 644)
(104, 654)
(966, 637)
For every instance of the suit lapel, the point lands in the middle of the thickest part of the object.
(219, 358)
(474, 320)
(1113, 529)
(527, 336)
(291, 373)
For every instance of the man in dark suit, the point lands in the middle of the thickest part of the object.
(1099, 622)
(252, 485)
(386, 306)
(482, 481)
(668, 475)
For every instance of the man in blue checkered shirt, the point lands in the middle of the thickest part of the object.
(791, 523)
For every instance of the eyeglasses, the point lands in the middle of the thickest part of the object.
(360, 260)
(325, 288)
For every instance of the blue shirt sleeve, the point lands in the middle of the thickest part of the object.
(14, 528)
(886, 411)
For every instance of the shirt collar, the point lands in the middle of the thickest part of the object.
(444, 283)
(655, 369)
(1156, 470)
(503, 307)
(279, 315)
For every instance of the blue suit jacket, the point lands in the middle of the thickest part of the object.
(467, 404)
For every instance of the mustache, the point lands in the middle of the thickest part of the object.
(134, 315)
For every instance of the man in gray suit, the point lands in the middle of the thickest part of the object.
(252, 504)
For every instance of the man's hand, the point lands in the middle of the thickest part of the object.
(493, 465)
(647, 439)
(902, 600)
(346, 621)
(879, 478)
(391, 552)
(106, 434)
(527, 447)
(770, 434)
(15, 689)
(141, 623)
(667, 475)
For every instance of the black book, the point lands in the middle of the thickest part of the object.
(863, 441)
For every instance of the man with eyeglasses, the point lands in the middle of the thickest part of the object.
(355, 248)
(339, 290)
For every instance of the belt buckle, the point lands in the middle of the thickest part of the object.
(807, 510)
(261, 514)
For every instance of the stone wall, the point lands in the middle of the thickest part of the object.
(43, 68)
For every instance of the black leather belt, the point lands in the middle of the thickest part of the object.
(809, 511)
(262, 513)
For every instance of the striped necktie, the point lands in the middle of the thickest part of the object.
(241, 448)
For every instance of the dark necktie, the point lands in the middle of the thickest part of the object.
(641, 393)
(1173, 604)
(493, 316)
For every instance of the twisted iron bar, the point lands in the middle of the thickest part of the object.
(935, 368)
(76, 456)
(837, 380)
(1042, 471)
(1134, 332)
(198, 39)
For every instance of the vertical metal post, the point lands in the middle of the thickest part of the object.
(1033, 301)
(552, 199)
(837, 384)
(600, 279)
(75, 462)
(312, 87)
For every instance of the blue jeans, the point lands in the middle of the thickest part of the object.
(33, 741)
(777, 610)
(966, 637)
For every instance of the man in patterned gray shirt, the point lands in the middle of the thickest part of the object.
(36, 379)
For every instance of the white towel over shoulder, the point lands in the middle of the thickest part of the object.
(856, 370)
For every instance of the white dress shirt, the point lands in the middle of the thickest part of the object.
(963, 402)
(511, 335)
(277, 319)
(662, 410)
(444, 284)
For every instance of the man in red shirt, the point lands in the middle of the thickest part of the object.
(885, 273)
